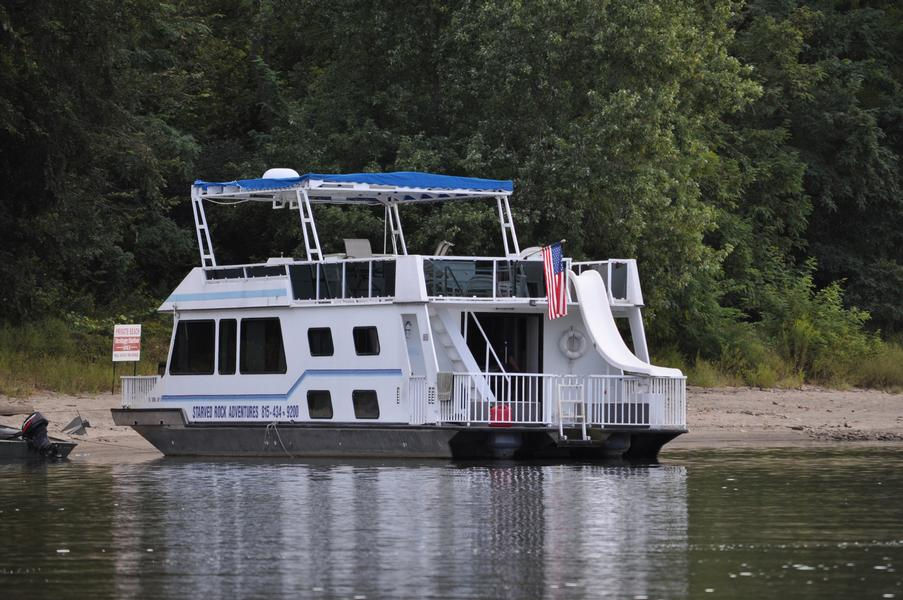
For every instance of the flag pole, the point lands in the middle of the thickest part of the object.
(541, 247)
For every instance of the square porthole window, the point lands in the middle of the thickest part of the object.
(366, 405)
(319, 404)
(320, 341)
(366, 341)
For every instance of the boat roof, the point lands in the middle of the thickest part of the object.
(401, 187)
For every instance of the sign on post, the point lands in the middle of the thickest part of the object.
(126, 343)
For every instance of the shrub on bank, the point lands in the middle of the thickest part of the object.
(883, 370)
(74, 354)
(813, 333)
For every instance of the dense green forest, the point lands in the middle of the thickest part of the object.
(746, 153)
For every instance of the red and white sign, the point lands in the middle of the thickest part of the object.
(126, 343)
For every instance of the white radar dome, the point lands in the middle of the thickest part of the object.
(280, 174)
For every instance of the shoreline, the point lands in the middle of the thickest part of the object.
(717, 418)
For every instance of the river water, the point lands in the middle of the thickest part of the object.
(790, 523)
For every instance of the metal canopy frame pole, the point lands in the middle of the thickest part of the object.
(205, 246)
(395, 226)
(311, 239)
(507, 224)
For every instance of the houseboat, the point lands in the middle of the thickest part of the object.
(402, 354)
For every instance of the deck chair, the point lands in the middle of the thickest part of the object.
(358, 248)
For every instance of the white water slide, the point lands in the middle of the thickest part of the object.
(600, 323)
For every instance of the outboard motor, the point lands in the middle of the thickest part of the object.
(34, 431)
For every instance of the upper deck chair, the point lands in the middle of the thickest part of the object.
(358, 248)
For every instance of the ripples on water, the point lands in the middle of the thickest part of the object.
(716, 524)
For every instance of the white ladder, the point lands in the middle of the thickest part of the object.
(507, 227)
(572, 396)
(203, 232)
(308, 227)
(395, 226)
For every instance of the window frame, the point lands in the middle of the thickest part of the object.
(175, 339)
(375, 338)
(219, 346)
(355, 395)
(310, 346)
(242, 345)
(328, 397)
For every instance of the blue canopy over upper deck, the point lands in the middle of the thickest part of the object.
(401, 187)
(285, 188)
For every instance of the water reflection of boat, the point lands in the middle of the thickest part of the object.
(400, 529)
(398, 354)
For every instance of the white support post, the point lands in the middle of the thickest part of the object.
(638, 333)
(311, 239)
(395, 227)
(509, 236)
(205, 246)
(390, 220)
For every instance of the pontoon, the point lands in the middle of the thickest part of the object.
(398, 354)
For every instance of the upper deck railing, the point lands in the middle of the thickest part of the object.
(483, 278)
(446, 278)
(321, 281)
(349, 279)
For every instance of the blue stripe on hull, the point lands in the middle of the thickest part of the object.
(238, 294)
(291, 390)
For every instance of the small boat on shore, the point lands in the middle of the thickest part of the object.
(396, 354)
(31, 442)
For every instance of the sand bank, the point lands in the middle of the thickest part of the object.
(752, 417)
(717, 418)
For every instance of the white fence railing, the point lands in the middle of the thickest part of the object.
(139, 391)
(523, 399)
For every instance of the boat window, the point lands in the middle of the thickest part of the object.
(366, 341)
(330, 281)
(320, 341)
(319, 404)
(357, 279)
(383, 278)
(366, 405)
(227, 273)
(266, 271)
(192, 351)
(304, 281)
(261, 347)
(227, 345)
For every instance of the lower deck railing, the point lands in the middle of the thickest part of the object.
(518, 399)
(525, 399)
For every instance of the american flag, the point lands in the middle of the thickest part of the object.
(556, 280)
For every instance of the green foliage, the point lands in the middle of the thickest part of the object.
(707, 374)
(884, 369)
(721, 144)
(85, 91)
(813, 332)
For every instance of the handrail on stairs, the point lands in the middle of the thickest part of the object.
(489, 349)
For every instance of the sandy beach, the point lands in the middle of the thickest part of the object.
(717, 418)
(752, 417)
